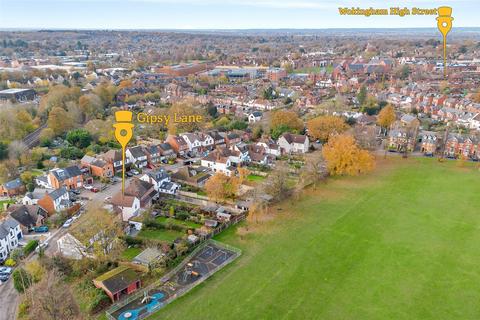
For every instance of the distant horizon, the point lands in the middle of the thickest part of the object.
(219, 14)
(2, 29)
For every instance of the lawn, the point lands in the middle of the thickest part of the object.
(189, 224)
(161, 235)
(131, 253)
(255, 178)
(401, 243)
(3, 202)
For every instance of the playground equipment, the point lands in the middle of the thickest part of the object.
(146, 298)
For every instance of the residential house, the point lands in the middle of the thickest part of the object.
(178, 144)
(192, 176)
(194, 141)
(254, 117)
(10, 234)
(218, 139)
(429, 142)
(293, 143)
(70, 178)
(137, 156)
(12, 188)
(161, 181)
(257, 154)
(114, 158)
(31, 198)
(138, 194)
(97, 167)
(27, 216)
(127, 206)
(218, 162)
(232, 138)
(271, 147)
(154, 156)
(55, 201)
(166, 152)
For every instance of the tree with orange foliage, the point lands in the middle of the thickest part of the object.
(221, 187)
(286, 118)
(386, 117)
(344, 157)
(242, 174)
(324, 126)
(125, 84)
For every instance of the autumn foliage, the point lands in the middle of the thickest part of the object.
(286, 118)
(386, 117)
(344, 157)
(322, 127)
(221, 187)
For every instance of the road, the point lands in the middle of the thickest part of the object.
(9, 299)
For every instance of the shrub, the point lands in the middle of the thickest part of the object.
(131, 241)
(30, 246)
(153, 224)
(21, 280)
(10, 262)
(182, 215)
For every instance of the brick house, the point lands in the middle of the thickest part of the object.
(178, 144)
(97, 167)
(55, 201)
(70, 177)
(12, 188)
(114, 158)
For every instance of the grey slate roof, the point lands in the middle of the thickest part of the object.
(14, 184)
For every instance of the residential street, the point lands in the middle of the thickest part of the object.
(9, 299)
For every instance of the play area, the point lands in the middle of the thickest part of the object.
(200, 265)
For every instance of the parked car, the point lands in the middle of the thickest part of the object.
(135, 172)
(41, 229)
(41, 246)
(108, 199)
(6, 270)
(75, 191)
(68, 223)
(88, 187)
(129, 174)
(4, 277)
(95, 190)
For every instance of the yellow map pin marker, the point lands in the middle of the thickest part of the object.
(444, 24)
(123, 134)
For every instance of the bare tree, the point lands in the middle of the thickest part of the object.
(53, 299)
(276, 185)
(16, 149)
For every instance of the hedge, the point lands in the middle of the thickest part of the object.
(30, 246)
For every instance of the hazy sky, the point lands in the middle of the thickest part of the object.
(219, 14)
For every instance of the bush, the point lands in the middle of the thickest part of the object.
(21, 280)
(30, 246)
(182, 215)
(131, 241)
(153, 224)
(10, 263)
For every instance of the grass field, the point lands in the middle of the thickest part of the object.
(255, 178)
(131, 253)
(186, 223)
(402, 243)
(161, 235)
